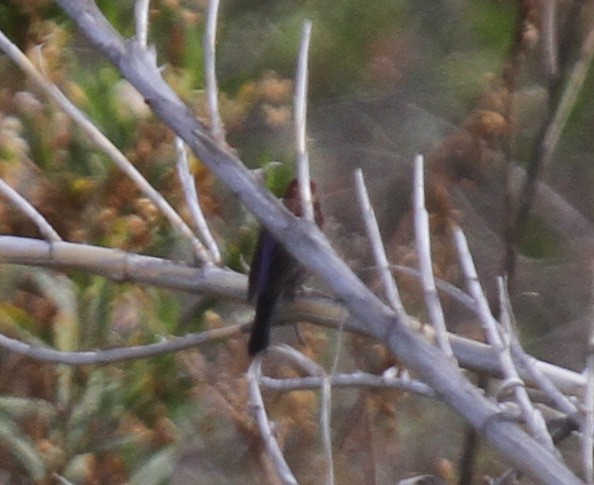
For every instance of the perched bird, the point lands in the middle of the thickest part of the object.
(274, 272)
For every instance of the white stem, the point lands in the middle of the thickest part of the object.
(217, 129)
(303, 173)
(141, 15)
(191, 196)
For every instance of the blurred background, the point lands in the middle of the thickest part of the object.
(466, 83)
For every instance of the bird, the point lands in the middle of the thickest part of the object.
(274, 272)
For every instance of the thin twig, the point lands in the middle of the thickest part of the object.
(507, 330)
(270, 442)
(533, 419)
(379, 252)
(62, 480)
(569, 98)
(530, 370)
(455, 292)
(553, 128)
(103, 143)
(141, 17)
(423, 245)
(211, 280)
(508, 477)
(313, 368)
(588, 423)
(549, 41)
(356, 379)
(31, 212)
(527, 363)
(109, 356)
(338, 352)
(191, 196)
(217, 128)
(545, 146)
(325, 424)
(301, 123)
(121, 266)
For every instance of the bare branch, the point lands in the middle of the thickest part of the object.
(62, 480)
(534, 418)
(100, 357)
(338, 349)
(257, 404)
(356, 379)
(531, 372)
(527, 363)
(587, 429)
(121, 266)
(301, 123)
(31, 212)
(455, 292)
(569, 98)
(311, 367)
(141, 16)
(217, 129)
(379, 252)
(191, 196)
(549, 41)
(325, 424)
(512, 380)
(546, 145)
(423, 245)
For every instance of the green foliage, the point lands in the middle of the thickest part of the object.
(538, 241)
(88, 415)
(341, 38)
(21, 448)
(103, 104)
(120, 15)
(491, 23)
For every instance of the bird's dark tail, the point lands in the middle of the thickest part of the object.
(260, 335)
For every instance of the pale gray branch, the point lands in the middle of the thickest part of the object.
(191, 196)
(549, 39)
(356, 379)
(496, 341)
(217, 129)
(587, 428)
(528, 364)
(109, 356)
(121, 266)
(313, 368)
(379, 252)
(141, 16)
(423, 245)
(31, 212)
(506, 330)
(257, 402)
(303, 173)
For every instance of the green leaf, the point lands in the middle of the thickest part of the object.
(21, 447)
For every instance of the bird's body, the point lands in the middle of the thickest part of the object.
(274, 272)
